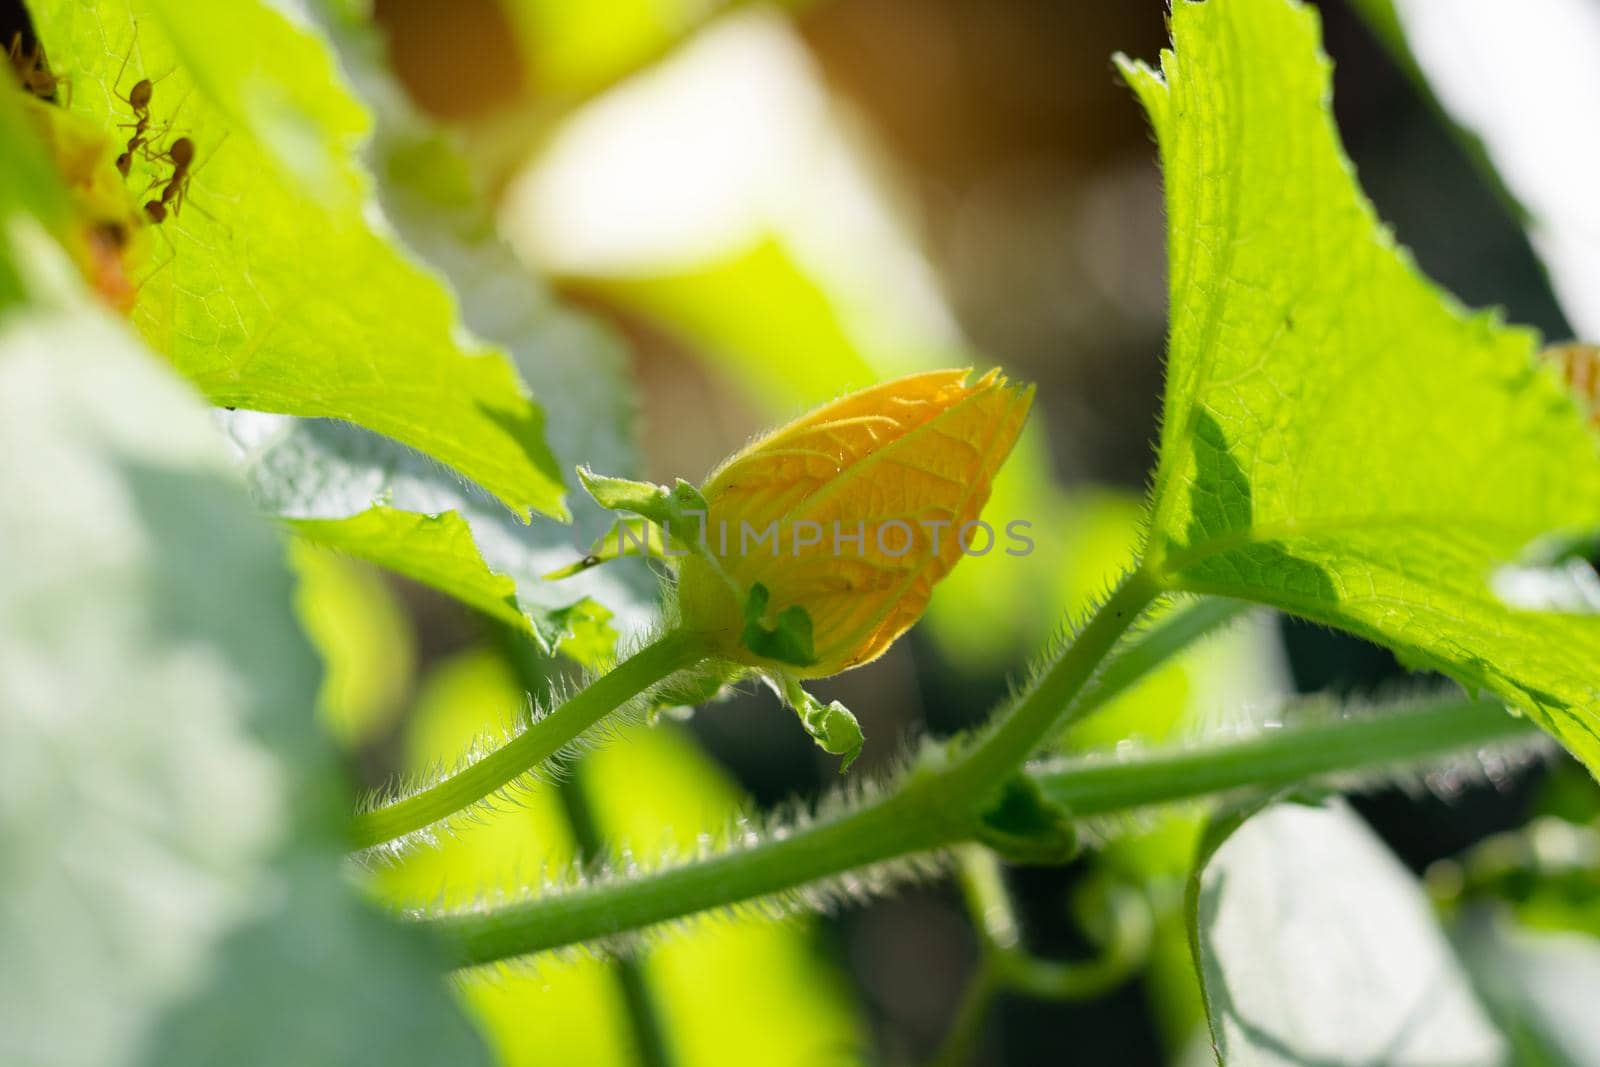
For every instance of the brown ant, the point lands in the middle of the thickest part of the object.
(138, 101)
(181, 155)
(33, 69)
(175, 190)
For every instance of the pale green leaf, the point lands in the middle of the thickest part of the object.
(1540, 985)
(1340, 439)
(276, 288)
(336, 478)
(325, 470)
(1316, 947)
(171, 818)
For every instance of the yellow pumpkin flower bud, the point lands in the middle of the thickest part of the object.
(851, 513)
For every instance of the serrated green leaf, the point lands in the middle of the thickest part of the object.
(272, 290)
(315, 468)
(581, 631)
(439, 551)
(1340, 439)
(436, 550)
(171, 818)
(326, 472)
(1317, 947)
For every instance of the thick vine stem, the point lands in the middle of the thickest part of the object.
(936, 807)
(922, 816)
(933, 809)
(1276, 759)
(900, 824)
(672, 652)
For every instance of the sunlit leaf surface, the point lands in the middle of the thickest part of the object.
(329, 471)
(1340, 439)
(272, 287)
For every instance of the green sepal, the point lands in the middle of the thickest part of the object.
(680, 508)
(832, 726)
(1026, 828)
(626, 538)
(789, 641)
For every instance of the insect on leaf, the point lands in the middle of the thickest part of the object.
(268, 285)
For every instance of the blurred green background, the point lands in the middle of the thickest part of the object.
(773, 206)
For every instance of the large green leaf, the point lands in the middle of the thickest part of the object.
(438, 550)
(1340, 439)
(334, 473)
(171, 819)
(722, 991)
(1316, 947)
(275, 290)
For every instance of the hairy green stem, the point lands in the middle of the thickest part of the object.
(1053, 700)
(672, 652)
(921, 816)
(897, 825)
(1275, 759)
